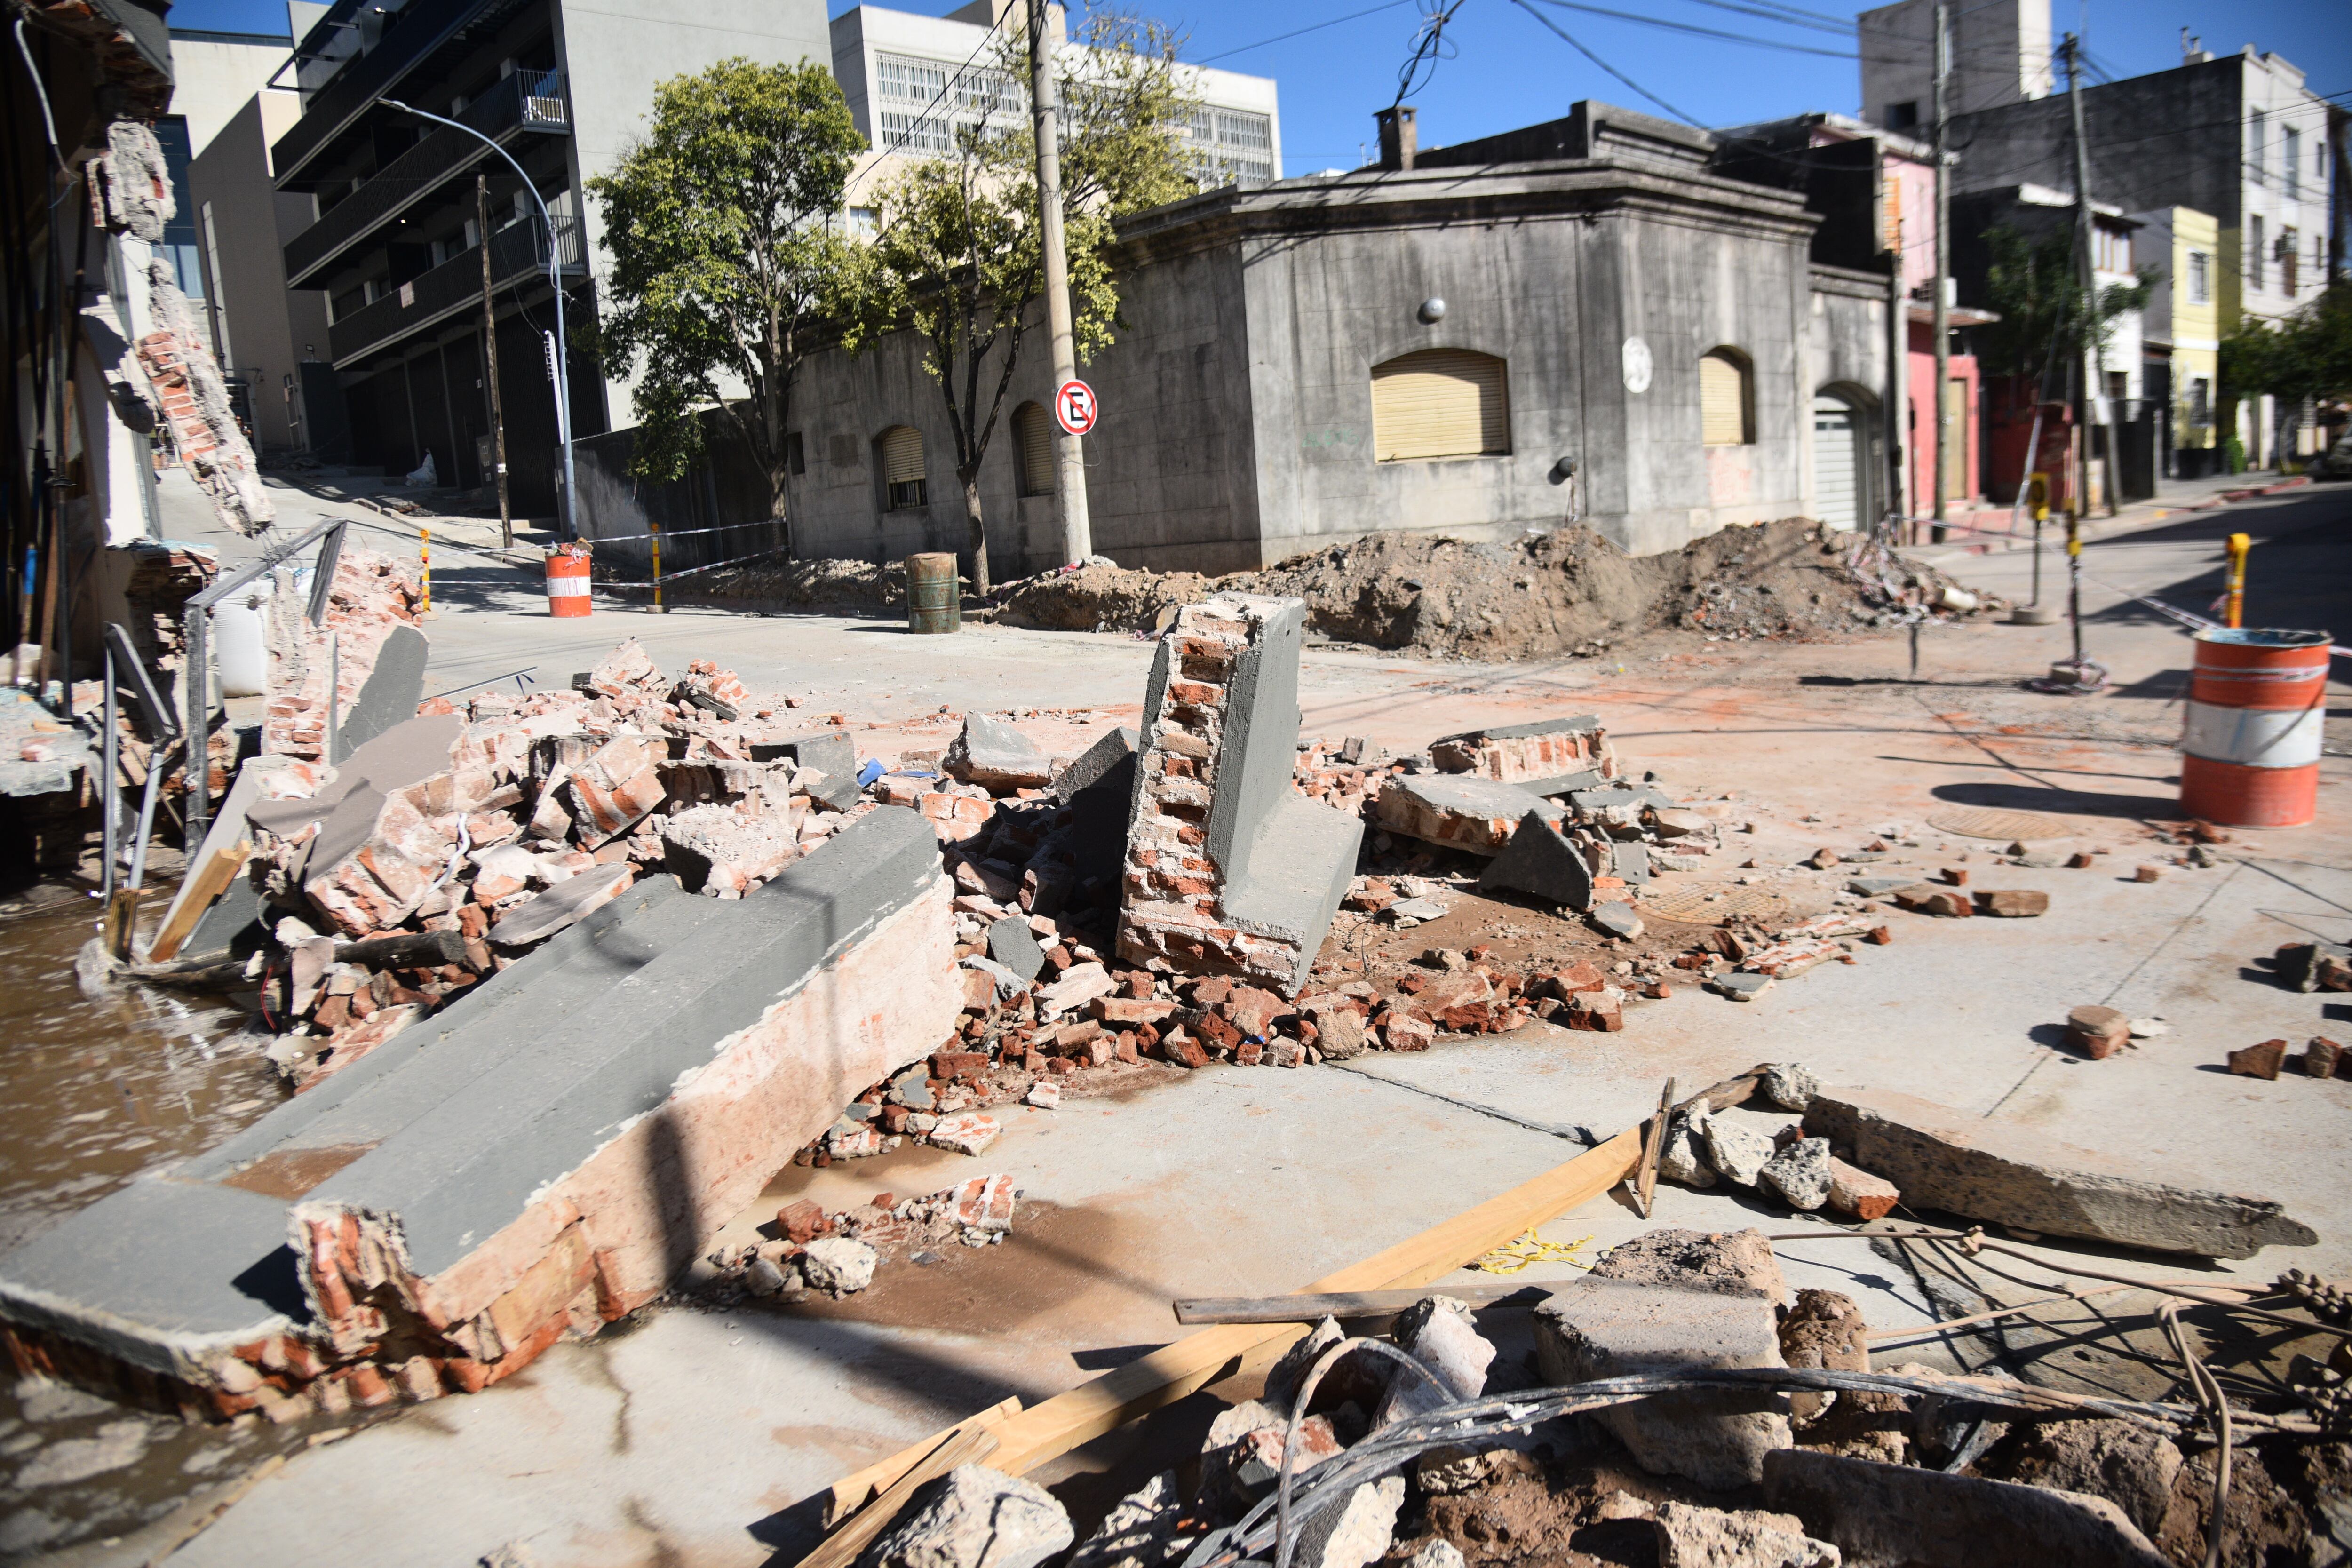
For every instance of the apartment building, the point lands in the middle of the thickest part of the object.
(396, 243)
(911, 81)
(2182, 334)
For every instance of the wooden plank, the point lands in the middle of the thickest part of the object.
(1305, 1308)
(1056, 1425)
(210, 881)
(1645, 1184)
(842, 1548)
(852, 1492)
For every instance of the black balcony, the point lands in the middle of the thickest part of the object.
(419, 31)
(526, 103)
(517, 251)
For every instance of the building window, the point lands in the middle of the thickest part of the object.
(1903, 116)
(925, 102)
(1726, 402)
(1439, 403)
(900, 451)
(2291, 159)
(2201, 278)
(2255, 148)
(795, 454)
(1231, 147)
(1033, 435)
(2111, 249)
(2290, 262)
(2200, 403)
(2255, 251)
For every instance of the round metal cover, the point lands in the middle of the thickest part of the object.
(1973, 823)
(1691, 906)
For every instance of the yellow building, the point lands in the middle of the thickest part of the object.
(2182, 327)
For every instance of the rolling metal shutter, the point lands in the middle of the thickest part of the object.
(1722, 401)
(1036, 434)
(1836, 498)
(1439, 403)
(902, 455)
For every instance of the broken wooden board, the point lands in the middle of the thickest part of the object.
(196, 895)
(1306, 1307)
(852, 1492)
(964, 1445)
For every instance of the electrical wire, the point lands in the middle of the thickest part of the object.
(1697, 31)
(1301, 32)
(1570, 39)
(1429, 46)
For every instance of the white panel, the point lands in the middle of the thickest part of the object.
(2254, 737)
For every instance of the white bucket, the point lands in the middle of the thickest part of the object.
(241, 643)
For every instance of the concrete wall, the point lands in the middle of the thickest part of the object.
(269, 329)
(615, 52)
(1845, 358)
(2000, 54)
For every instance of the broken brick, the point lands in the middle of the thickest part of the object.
(2097, 1032)
(803, 1221)
(2012, 903)
(2322, 1058)
(2262, 1061)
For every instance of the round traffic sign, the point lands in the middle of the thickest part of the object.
(1073, 405)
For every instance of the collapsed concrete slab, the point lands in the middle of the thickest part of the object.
(1903, 1513)
(539, 1158)
(1540, 860)
(1551, 757)
(2009, 1174)
(1461, 812)
(1230, 870)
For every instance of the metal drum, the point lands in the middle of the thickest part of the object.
(933, 600)
(567, 580)
(2250, 751)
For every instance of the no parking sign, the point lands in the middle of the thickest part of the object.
(1073, 405)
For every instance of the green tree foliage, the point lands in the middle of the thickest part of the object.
(2046, 316)
(2308, 355)
(729, 265)
(959, 254)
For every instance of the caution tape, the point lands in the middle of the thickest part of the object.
(2189, 619)
(1513, 1257)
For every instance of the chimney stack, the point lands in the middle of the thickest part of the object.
(1398, 141)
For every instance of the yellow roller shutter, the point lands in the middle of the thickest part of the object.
(1439, 403)
(1723, 401)
(902, 455)
(1037, 435)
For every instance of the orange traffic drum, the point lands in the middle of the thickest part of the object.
(2250, 751)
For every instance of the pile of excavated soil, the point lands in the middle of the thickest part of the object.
(1565, 592)
(853, 585)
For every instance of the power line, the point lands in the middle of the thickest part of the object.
(1697, 31)
(1301, 32)
(1604, 65)
(1786, 16)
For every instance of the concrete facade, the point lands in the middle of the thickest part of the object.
(2182, 322)
(2000, 54)
(1237, 403)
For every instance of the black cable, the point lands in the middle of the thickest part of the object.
(1429, 46)
(1697, 31)
(1604, 65)
(1299, 32)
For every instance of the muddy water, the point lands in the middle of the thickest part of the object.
(98, 1083)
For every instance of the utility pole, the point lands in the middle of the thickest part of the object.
(1070, 464)
(1898, 369)
(490, 357)
(1942, 306)
(2086, 399)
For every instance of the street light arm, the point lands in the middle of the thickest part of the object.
(554, 281)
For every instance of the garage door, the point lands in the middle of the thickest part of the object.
(1837, 471)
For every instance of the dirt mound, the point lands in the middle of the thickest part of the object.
(1564, 592)
(859, 584)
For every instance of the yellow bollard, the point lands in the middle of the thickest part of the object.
(657, 603)
(2238, 544)
(425, 560)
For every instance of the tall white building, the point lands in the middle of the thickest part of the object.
(911, 81)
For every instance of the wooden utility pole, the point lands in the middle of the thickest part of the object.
(1898, 370)
(1943, 304)
(1070, 465)
(490, 357)
(2086, 401)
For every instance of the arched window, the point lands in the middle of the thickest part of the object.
(1727, 399)
(899, 451)
(1033, 450)
(1439, 403)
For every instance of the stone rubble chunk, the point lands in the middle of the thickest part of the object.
(1929, 1519)
(1737, 986)
(1790, 1085)
(1691, 1537)
(969, 1132)
(1438, 1553)
(1739, 1153)
(2262, 1059)
(2006, 1173)
(1441, 1333)
(974, 1517)
(992, 753)
(1012, 945)
(1617, 919)
(1800, 1174)
(2127, 1464)
(1143, 1531)
(1540, 862)
(2097, 1032)
(1683, 1160)
(1354, 1533)
(1859, 1194)
(1459, 811)
(838, 1265)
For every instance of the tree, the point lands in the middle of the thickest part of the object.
(958, 253)
(730, 264)
(2046, 316)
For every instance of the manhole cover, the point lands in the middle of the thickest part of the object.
(2002, 825)
(1692, 906)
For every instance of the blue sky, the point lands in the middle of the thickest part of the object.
(1505, 70)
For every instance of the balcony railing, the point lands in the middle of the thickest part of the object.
(517, 250)
(526, 101)
(422, 26)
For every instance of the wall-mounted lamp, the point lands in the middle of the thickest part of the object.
(1432, 310)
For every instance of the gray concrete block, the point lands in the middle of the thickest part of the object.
(1616, 917)
(830, 752)
(1633, 862)
(405, 755)
(1012, 943)
(991, 752)
(545, 913)
(388, 698)
(1539, 860)
(1592, 1328)
(1900, 1513)
(2006, 1173)
(1109, 763)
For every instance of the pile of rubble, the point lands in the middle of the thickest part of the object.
(1768, 1440)
(835, 1255)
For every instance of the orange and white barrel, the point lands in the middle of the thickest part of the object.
(2250, 751)
(567, 580)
